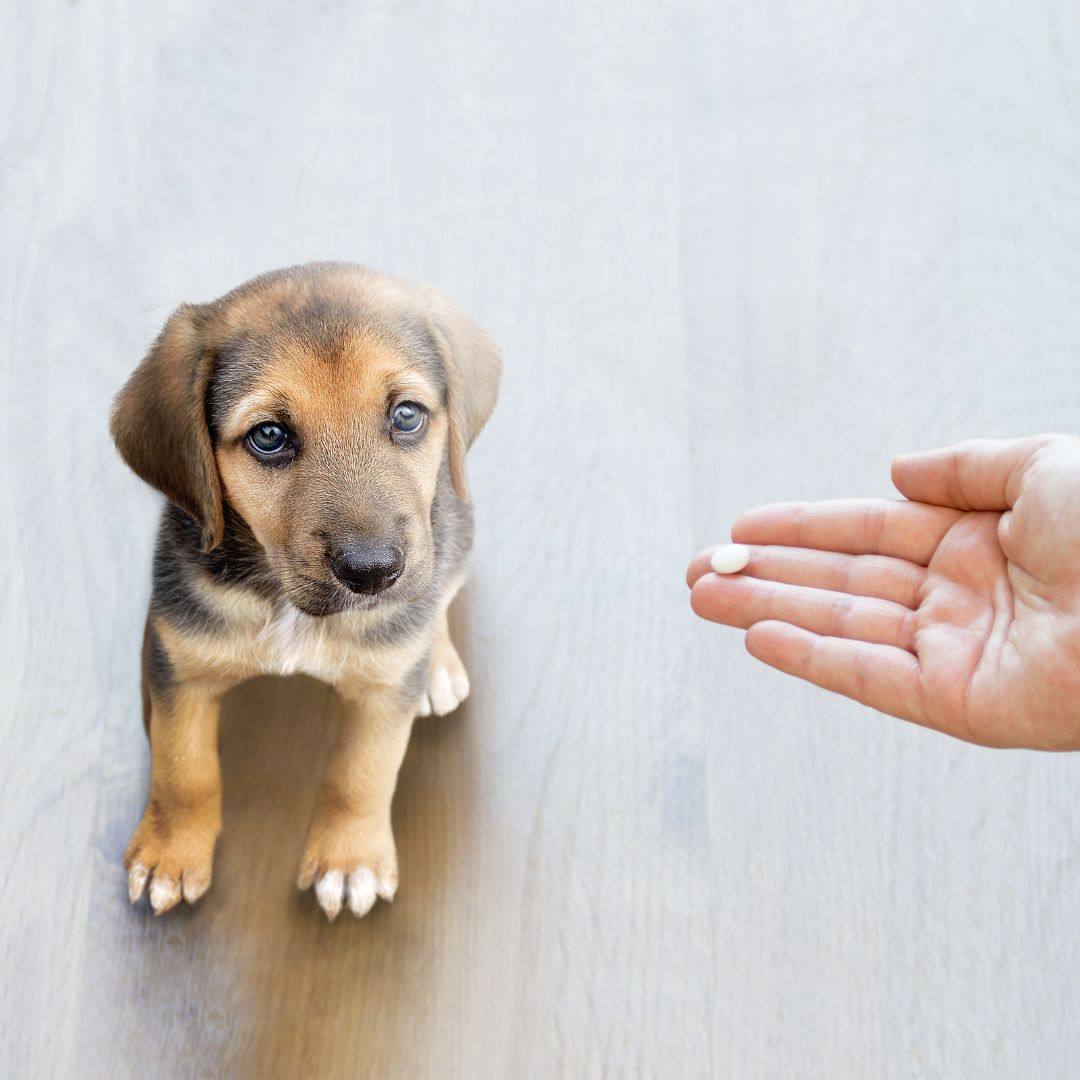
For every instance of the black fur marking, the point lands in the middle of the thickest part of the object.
(403, 621)
(415, 682)
(238, 560)
(452, 530)
(416, 340)
(159, 669)
(174, 595)
(239, 365)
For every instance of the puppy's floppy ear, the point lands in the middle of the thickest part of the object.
(473, 368)
(159, 422)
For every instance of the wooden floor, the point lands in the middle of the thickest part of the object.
(734, 253)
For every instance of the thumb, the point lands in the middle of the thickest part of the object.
(980, 474)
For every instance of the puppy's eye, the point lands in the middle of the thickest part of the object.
(408, 418)
(268, 440)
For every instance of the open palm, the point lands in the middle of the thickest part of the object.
(958, 609)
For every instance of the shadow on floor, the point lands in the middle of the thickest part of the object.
(253, 981)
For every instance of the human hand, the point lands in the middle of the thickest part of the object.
(958, 610)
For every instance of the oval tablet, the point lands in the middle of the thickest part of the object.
(730, 559)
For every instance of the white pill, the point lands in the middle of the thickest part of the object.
(730, 559)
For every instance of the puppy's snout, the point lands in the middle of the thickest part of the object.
(368, 568)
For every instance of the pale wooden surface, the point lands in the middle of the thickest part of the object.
(734, 252)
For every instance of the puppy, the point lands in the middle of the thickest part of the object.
(309, 430)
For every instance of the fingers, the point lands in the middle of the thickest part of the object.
(981, 474)
(699, 565)
(882, 677)
(891, 527)
(742, 601)
(859, 575)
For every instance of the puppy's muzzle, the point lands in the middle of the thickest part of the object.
(368, 568)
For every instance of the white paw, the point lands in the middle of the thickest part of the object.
(357, 889)
(165, 892)
(171, 861)
(447, 689)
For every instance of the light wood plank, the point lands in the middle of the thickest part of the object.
(733, 254)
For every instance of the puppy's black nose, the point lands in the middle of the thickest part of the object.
(367, 568)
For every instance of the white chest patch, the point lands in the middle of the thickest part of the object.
(293, 642)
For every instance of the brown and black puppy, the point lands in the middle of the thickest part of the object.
(310, 431)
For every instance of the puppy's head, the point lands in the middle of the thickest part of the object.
(318, 403)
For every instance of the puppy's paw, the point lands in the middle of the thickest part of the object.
(448, 681)
(171, 856)
(351, 865)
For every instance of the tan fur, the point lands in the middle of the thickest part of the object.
(342, 406)
(175, 838)
(166, 395)
(350, 477)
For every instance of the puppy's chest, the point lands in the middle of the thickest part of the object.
(292, 643)
(286, 646)
(257, 638)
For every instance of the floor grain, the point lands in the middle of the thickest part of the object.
(733, 254)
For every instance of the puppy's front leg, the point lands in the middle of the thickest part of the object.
(349, 855)
(173, 846)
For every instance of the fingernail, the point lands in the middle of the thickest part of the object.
(730, 559)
